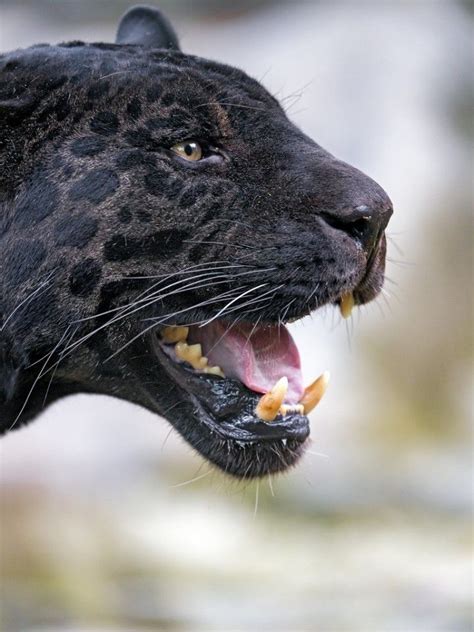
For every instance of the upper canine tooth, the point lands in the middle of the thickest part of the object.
(269, 404)
(314, 392)
(346, 304)
(175, 334)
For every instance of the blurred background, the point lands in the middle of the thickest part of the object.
(109, 522)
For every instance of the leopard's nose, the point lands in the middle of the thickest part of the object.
(346, 199)
(364, 223)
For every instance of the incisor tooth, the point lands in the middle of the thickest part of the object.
(346, 304)
(269, 404)
(175, 334)
(314, 392)
(288, 408)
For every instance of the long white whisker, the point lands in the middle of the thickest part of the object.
(162, 319)
(257, 493)
(192, 480)
(57, 366)
(41, 372)
(146, 294)
(28, 298)
(147, 303)
(155, 324)
(221, 311)
(257, 299)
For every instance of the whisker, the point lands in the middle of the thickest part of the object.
(221, 311)
(270, 485)
(56, 367)
(192, 480)
(155, 324)
(28, 298)
(232, 244)
(257, 493)
(147, 302)
(397, 262)
(287, 308)
(146, 294)
(41, 372)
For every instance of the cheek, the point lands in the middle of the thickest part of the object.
(159, 245)
(76, 232)
(94, 187)
(84, 277)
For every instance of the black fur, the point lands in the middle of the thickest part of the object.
(97, 212)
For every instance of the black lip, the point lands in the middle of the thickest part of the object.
(372, 282)
(227, 407)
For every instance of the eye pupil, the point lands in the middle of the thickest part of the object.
(189, 150)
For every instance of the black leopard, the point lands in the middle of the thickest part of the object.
(161, 220)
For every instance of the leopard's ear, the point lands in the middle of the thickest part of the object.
(146, 26)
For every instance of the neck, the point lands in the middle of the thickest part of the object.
(24, 393)
(28, 402)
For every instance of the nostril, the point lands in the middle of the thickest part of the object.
(360, 225)
(359, 228)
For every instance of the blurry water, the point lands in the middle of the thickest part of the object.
(371, 532)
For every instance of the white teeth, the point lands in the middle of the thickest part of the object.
(314, 392)
(346, 304)
(269, 404)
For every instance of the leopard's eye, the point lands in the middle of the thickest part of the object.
(189, 150)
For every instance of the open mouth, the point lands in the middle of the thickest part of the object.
(245, 391)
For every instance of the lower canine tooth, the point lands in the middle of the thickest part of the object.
(175, 334)
(269, 404)
(314, 393)
(346, 304)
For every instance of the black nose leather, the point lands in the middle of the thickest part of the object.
(363, 224)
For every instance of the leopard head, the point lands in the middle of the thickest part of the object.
(161, 219)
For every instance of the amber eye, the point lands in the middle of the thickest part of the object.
(188, 149)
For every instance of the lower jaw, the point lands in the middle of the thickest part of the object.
(243, 453)
(255, 459)
(243, 433)
(217, 418)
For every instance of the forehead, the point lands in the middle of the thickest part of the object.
(129, 68)
(137, 91)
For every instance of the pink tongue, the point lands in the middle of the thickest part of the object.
(256, 356)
